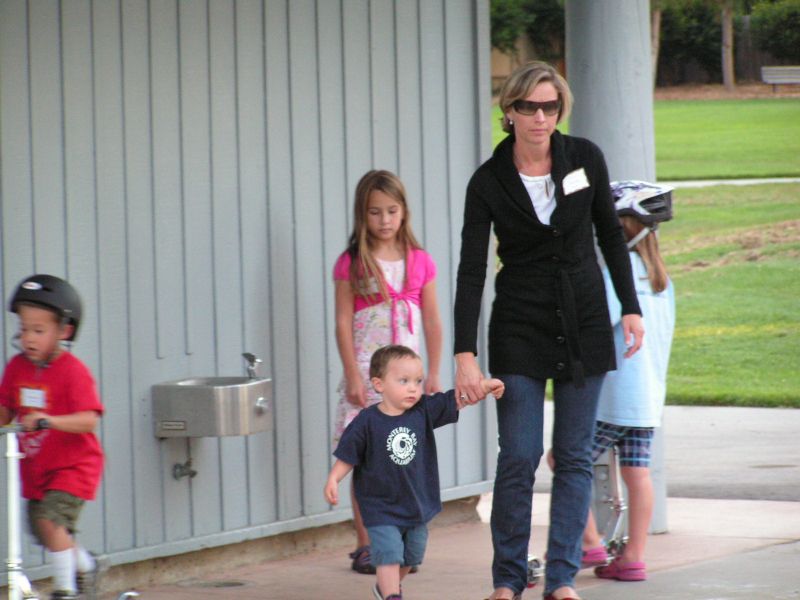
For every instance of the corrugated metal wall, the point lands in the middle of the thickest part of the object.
(189, 165)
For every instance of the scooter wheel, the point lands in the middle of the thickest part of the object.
(616, 547)
(535, 570)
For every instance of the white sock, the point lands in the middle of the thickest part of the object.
(64, 570)
(83, 560)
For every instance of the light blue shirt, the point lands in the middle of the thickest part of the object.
(634, 394)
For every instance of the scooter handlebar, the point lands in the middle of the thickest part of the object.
(11, 428)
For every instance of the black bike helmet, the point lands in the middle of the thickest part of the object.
(52, 293)
(648, 203)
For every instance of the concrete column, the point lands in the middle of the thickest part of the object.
(610, 73)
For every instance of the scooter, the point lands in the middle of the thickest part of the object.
(609, 503)
(19, 586)
(609, 506)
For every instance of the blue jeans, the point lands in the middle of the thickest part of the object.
(520, 420)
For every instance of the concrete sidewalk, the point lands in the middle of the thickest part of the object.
(715, 549)
(738, 536)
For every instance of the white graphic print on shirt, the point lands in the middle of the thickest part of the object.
(400, 445)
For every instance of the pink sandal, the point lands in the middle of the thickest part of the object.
(594, 557)
(622, 571)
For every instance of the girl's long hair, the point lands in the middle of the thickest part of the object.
(363, 265)
(648, 250)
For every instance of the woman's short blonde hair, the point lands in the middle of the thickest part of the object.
(524, 79)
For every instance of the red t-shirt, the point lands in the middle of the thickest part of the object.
(54, 460)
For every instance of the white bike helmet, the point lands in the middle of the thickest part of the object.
(648, 203)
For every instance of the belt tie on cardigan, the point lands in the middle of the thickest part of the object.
(569, 320)
(396, 299)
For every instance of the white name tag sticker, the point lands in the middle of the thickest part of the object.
(575, 181)
(33, 398)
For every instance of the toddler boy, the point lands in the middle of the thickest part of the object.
(53, 396)
(392, 449)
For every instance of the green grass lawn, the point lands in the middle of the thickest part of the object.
(724, 139)
(734, 256)
(720, 139)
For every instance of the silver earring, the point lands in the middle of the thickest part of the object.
(510, 122)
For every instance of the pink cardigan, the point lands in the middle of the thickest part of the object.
(420, 269)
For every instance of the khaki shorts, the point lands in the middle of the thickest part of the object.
(56, 506)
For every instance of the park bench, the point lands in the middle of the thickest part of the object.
(780, 75)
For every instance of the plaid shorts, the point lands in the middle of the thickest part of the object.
(633, 443)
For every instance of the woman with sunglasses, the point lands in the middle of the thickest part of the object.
(547, 195)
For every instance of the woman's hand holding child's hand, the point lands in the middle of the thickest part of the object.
(495, 387)
(468, 380)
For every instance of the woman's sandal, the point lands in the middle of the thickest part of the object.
(361, 561)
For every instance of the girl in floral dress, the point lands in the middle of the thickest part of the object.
(385, 294)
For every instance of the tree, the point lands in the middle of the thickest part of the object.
(655, 36)
(546, 28)
(690, 35)
(776, 28)
(542, 21)
(728, 74)
(509, 20)
(657, 9)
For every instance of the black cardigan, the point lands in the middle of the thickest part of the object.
(550, 315)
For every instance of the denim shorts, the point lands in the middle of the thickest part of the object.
(394, 545)
(61, 508)
(633, 443)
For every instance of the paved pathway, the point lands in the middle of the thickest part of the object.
(716, 548)
(725, 452)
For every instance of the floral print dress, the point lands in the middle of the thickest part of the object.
(372, 329)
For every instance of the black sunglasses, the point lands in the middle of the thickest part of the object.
(527, 107)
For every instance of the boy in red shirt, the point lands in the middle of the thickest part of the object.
(53, 396)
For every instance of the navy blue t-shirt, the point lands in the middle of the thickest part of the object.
(396, 474)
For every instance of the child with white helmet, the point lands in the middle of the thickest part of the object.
(632, 397)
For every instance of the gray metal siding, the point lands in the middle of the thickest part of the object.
(190, 167)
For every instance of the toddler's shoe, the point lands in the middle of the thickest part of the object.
(361, 561)
(622, 571)
(377, 593)
(594, 557)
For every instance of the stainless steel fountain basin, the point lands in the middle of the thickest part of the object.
(212, 406)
